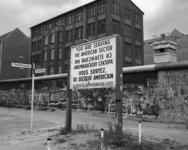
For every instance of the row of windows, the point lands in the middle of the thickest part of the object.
(129, 48)
(68, 35)
(52, 54)
(137, 16)
(127, 12)
(90, 30)
(71, 18)
(61, 69)
(128, 32)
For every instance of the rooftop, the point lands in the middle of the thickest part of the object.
(82, 6)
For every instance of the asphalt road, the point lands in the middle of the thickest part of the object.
(15, 126)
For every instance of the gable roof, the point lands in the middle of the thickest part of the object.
(176, 33)
(6, 35)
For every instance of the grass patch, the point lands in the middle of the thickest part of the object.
(84, 128)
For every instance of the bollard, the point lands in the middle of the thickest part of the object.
(139, 132)
(102, 133)
(102, 138)
(49, 140)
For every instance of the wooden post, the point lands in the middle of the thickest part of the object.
(119, 76)
(68, 121)
(68, 125)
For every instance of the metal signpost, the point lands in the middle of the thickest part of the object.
(32, 67)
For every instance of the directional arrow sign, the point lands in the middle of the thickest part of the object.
(42, 70)
(21, 65)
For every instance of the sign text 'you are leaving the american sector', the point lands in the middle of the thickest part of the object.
(93, 64)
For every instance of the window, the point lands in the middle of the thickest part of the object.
(45, 57)
(69, 35)
(38, 59)
(128, 48)
(70, 19)
(45, 27)
(52, 54)
(49, 26)
(67, 52)
(65, 70)
(115, 6)
(60, 69)
(137, 18)
(138, 33)
(61, 36)
(138, 51)
(61, 22)
(101, 26)
(52, 38)
(127, 12)
(34, 46)
(91, 29)
(78, 16)
(101, 7)
(127, 30)
(46, 40)
(39, 30)
(79, 33)
(91, 12)
(40, 44)
(34, 32)
(60, 53)
(116, 26)
(51, 69)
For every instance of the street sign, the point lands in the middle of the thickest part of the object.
(21, 65)
(42, 70)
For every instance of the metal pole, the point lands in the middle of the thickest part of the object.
(139, 132)
(32, 94)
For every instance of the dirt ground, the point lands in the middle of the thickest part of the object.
(15, 127)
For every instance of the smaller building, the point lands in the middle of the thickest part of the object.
(179, 38)
(14, 47)
(165, 51)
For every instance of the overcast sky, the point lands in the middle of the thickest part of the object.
(161, 16)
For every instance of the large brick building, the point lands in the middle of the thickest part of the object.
(51, 40)
(14, 47)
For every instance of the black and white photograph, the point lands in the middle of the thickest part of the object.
(93, 75)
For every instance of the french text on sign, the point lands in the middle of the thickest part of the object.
(21, 65)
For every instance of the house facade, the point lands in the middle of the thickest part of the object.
(14, 47)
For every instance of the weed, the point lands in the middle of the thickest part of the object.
(28, 107)
(63, 131)
(43, 108)
(84, 128)
(52, 109)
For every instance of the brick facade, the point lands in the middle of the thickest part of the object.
(97, 19)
